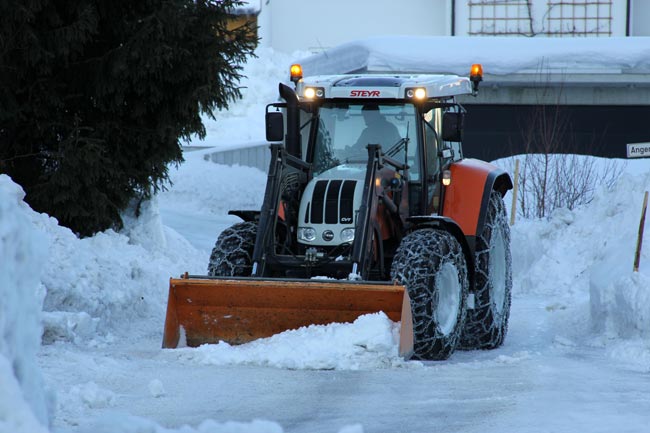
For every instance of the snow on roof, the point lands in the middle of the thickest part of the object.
(498, 55)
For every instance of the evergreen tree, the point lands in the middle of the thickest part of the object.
(96, 97)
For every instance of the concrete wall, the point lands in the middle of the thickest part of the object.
(257, 155)
(315, 25)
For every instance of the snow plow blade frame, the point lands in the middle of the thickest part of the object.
(238, 310)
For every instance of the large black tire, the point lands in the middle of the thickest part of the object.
(432, 266)
(487, 323)
(233, 251)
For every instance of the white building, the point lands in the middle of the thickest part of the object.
(316, 25)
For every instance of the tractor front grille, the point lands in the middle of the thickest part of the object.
(332, 202)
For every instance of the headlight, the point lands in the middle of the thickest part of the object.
(416, 93)
(313, 92)
(306, 234)
(310, 92)
(347, 235)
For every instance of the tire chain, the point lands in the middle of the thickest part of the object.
(232, 253)
(483, 330)
(428, 248)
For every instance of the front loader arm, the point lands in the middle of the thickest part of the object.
(281, 166)
(269, 208)
(363, 240)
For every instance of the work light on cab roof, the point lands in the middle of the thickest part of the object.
(418, 93)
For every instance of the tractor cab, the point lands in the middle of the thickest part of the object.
(371, 152)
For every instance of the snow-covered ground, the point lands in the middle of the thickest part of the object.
(577, 356)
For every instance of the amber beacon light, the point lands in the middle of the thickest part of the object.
(476, 76)
(296, 73)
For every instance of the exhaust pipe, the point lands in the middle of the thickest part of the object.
(292, 139)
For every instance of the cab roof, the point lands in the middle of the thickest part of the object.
(375, 86)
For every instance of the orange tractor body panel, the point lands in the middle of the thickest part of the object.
(464, 196)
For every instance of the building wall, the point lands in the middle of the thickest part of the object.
(640, 18)
(498, 131)
(315, 25)
(602, 18)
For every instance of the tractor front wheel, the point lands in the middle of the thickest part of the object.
(233, 251)
(432, 266)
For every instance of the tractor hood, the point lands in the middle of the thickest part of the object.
(329, 205)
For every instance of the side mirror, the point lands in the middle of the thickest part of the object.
(452, 126)
(274, 126)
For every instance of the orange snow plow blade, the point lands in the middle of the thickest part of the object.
(204, 310)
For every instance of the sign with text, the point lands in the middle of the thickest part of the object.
(638, 150)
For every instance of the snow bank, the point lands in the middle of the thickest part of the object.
(620, 298)
(499, 55)
(23, 400)
(620, 302)
(101, 284)
(586, 257)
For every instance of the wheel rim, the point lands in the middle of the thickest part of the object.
(448, 286)
(498, 270)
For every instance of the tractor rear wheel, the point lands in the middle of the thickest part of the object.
(432, 266)
(233, 251)
(487, 322)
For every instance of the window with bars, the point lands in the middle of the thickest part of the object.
(579, 18)
(500, 18)
(534, 17)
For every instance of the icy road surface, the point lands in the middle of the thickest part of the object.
(539, 381)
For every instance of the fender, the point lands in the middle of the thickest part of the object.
(466, 198)
(246, 215)
(254, 215)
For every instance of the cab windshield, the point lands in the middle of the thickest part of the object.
(345, 130)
